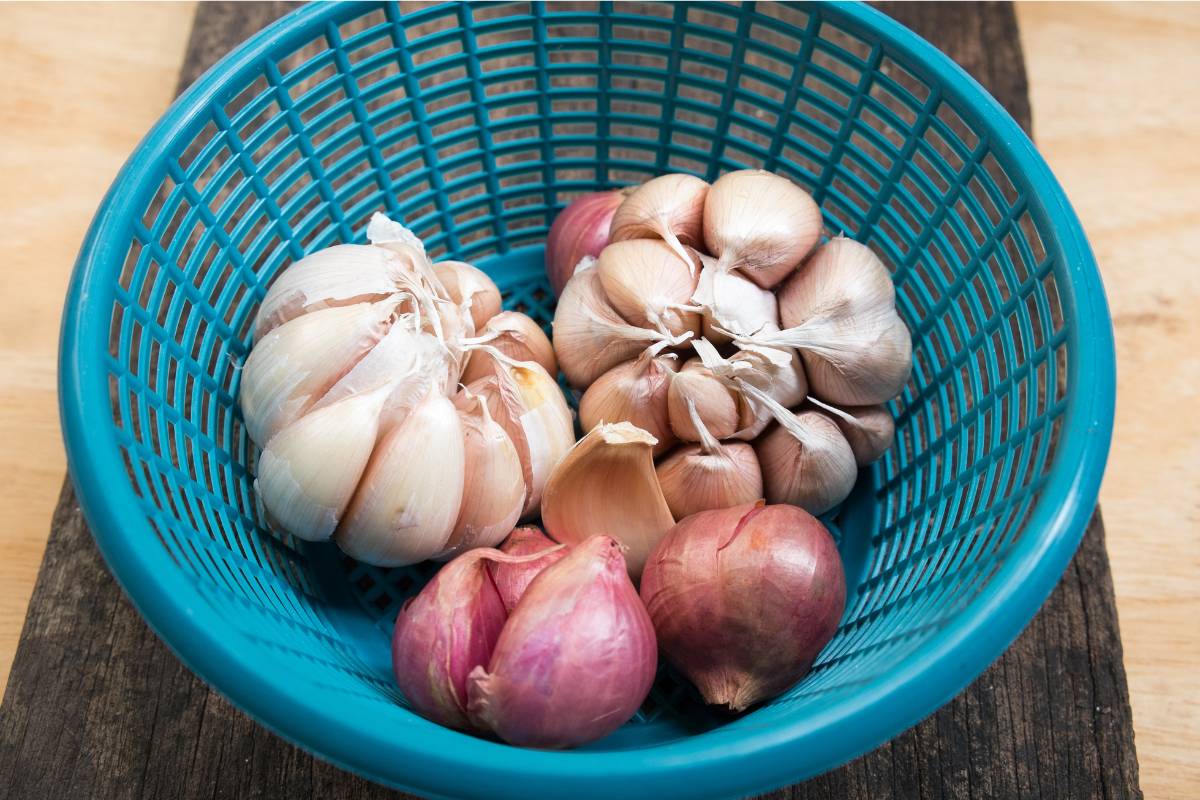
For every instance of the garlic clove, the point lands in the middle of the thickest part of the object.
(733, 303)
(471, 286)
(869, 430)
(412, 361)
(295, 364)
(760, 224)
(715, 403)
(342, 275)
(840, 312)
(806, 463)
(636, 392)
(606, 485)
(527, 403)
(694, 480)
(408, 499)
(518, 337)
(649, 285)
(308, 471)
(669, 207)
(590, 337)
(494, 484)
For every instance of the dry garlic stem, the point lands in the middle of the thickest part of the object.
(607, 486)
(590, 337)
(840, 312)
(649, 285)
(669, 207)
(715, 402)
(295, 364)
(636, 392)
(869, 430)
(760, 224)
(709, 475)
(518, 337)
(494, 484)
(408, 499)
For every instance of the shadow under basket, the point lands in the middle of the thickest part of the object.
(475, 125)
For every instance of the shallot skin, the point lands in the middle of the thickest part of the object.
(513, 578)
(443, 633)
(576, 659)
(743, 599)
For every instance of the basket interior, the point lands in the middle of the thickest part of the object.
(475, 125)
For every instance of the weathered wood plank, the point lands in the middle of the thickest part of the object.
(97, 706)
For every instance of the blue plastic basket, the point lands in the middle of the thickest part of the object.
(476, 124)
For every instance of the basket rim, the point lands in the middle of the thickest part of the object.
(432, 760)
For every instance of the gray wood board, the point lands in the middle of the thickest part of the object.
(97, 706)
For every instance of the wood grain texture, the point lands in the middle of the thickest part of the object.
(79, 85)
(1117, 117)
(97, 706)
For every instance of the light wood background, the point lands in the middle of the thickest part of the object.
(1116, 112)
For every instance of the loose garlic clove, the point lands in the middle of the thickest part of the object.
(590, 337)
(840, 312)
(295, 364)
(308, 471)
(716, 404)
(732, 303)
(470, 286)
(649, 286)
(760, 224)
(342, 275)
(636, 392)
(669, 207)
(807, 462)
(606, 485)
(518, 337)
(494, 486)
(869, 430)
(709, 475)
(408, 499)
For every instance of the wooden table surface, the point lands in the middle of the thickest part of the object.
(79, 84)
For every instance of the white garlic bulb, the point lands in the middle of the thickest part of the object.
(669, 207)
(649, 285)
(636, 392)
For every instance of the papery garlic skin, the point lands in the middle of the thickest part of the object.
(839, 310)
(345, 274)
(410, 494)
(606, 485)
(669, 207)
(732, 303)
(512, 578)
(744, 599)
(471, 287)
(869, 430)
(760, 224)
(649, 285)
(635, 392)
(443, 633)
(590, 337)
(493, 483)
(580, 229)
(294, 365)
(807, 464)
(308, 472)
(576, 658)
